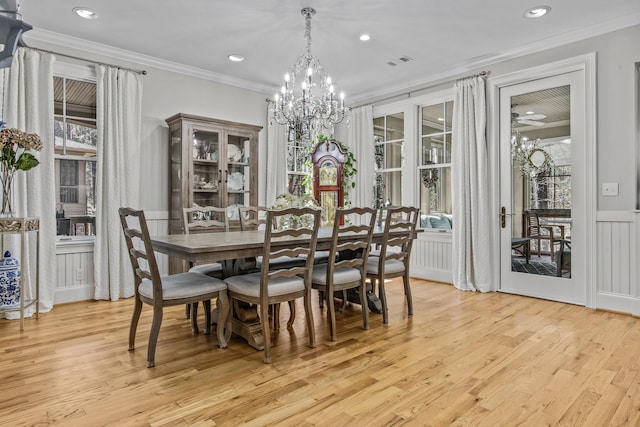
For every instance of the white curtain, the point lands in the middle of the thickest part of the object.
(360, 141)
(28, 106)
(472, 247)
(119, 112)
(276, 170)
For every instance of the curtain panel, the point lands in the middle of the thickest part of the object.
(28, 106)
(472, 241)
(119, 115)
(360, 141)
(276, 168)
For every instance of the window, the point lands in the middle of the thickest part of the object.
(297, 172)
(75, 156)
(434, 167)
(68, 181)
(388, 142)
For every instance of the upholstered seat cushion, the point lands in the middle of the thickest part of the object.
(249, 284)
(213, 269)
(391, 266)
(183, 285)
(340, 275)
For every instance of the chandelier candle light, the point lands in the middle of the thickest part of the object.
(299, 105)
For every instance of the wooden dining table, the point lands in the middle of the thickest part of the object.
(229, 248)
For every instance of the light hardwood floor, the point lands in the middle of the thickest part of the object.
(461, 359)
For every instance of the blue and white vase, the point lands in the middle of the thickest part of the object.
(9, 280)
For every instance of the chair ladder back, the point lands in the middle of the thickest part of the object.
(359, 243)
(252, 217)
(272, 251)
(207, 218)
(398, 233)
(139, 247)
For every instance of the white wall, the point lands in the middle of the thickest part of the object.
(166, 94)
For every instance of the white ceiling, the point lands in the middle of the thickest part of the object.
(444, 38)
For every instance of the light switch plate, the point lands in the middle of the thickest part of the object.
(610, 189)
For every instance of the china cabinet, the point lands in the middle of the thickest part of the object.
(212, 163)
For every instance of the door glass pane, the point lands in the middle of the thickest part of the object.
(541, 182)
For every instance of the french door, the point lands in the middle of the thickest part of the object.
(542, 188)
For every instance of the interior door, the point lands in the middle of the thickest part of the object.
(543, 197)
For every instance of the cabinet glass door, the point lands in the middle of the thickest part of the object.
(206, 168)
(238, 177)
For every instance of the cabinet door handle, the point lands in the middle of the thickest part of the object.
(226, 176)
(219, 176)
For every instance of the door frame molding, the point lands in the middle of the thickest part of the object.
(586, 64)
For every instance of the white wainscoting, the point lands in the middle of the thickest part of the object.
(75, 280)
(431, 256)
(617, 258)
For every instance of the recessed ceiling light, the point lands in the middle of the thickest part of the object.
(529, 112)
(440, 119)
(236, 58)
(85, 13)
(365, 37)
(537, 12)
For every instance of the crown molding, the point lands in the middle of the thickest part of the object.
(98, 49)
(409, 90)
(402, 89)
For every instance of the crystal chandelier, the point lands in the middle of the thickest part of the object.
(313, 104)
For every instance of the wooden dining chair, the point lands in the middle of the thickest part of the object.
(282, 285)
(163, 291)
(254, 218)
(205, 219)
(395, 253)
(342, 271)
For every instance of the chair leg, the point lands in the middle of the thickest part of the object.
(187, 311)
(407, 294)
(266, 331)
(224, 319)
(275, 313)
(383, 299)
(321, 299)
(153, 336)
(308, 313)
(344, 303)
(194, 317)
(331, 316)
(207, 316)
(137, 309)
(292, 314)
(364, 304)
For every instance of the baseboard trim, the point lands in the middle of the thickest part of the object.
(73, 294)
(618, 303)
(430, 274)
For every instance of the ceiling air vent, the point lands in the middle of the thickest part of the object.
(405, 58)
(391, 63)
